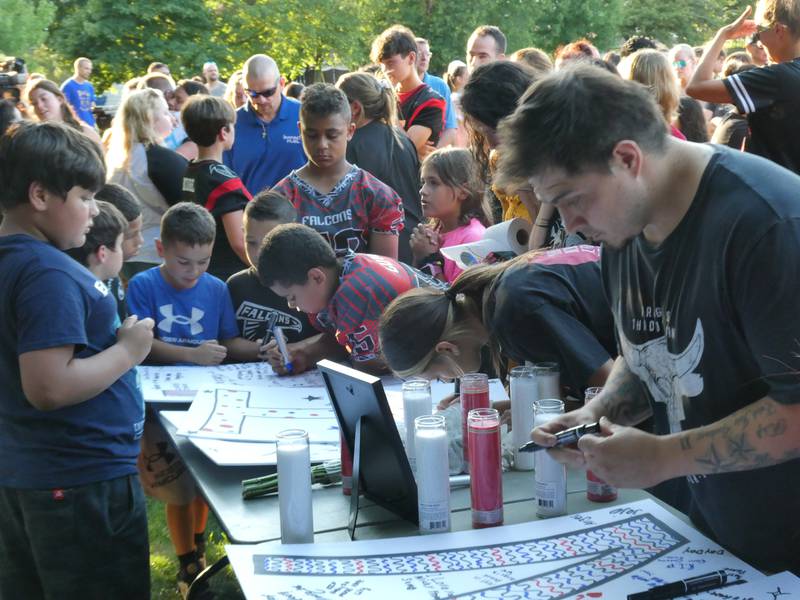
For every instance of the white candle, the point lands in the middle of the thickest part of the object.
(294, 487)
(433, 474)
(524, 392)
(416, 403)
(551, 475)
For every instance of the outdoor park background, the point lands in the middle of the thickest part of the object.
(122, 37)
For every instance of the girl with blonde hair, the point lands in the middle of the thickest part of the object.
(139, 162)
(234, 93)
(652, 69)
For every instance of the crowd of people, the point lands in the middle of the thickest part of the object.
(659, 267)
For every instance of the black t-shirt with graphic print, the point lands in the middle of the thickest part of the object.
(258, 309)
(216, 187)
(770, 97)
(708, 322)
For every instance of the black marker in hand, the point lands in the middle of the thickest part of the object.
(564, 438)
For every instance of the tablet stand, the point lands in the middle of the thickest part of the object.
(356, 478)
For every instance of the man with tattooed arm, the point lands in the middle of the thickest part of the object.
(700, 261)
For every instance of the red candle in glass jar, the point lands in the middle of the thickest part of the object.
(474, 393)
(597, 490)
(486, 472)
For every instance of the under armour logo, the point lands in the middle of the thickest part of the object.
(166, 323)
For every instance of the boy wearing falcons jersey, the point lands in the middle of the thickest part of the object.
(354, 211)
(344, 297)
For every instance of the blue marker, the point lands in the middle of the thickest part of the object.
(277, 332)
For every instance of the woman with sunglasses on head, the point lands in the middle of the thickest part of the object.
(540, 307)
(267, 146)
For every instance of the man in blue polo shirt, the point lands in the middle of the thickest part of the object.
(267, 145)
(439, 86)
(79, 91)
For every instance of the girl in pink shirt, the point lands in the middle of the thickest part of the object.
(453, 201)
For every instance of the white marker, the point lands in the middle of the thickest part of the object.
(277, 332)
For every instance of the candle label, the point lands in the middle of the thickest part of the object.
(434, 517)
(598, 490)
(551, 498)
(487, 517)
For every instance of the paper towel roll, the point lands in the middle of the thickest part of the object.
(508, 236)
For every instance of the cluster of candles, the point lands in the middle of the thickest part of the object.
(535, 399)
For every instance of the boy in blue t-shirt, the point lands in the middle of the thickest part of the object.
(195, 324)
(102, 252)
(71, 414)
(193, 311)
(132, 241)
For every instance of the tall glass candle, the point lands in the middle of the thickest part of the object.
(551, 475)
(294, 487)
(433, 474)
(486, 471)
(416, 403)
(524, 392)
(474, 393)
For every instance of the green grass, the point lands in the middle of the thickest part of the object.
(164, 564)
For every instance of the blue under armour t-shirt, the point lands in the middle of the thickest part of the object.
(183, 317)
(47, 300)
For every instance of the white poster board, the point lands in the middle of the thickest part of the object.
(258, 414)
(227, 453)
(182, 383)
(603, 554)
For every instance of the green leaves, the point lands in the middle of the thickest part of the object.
(122, 38)
(23, 26)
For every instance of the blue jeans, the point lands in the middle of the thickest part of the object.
(87, 542)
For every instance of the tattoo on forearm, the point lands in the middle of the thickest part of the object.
(773, 429)
(733, 443)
